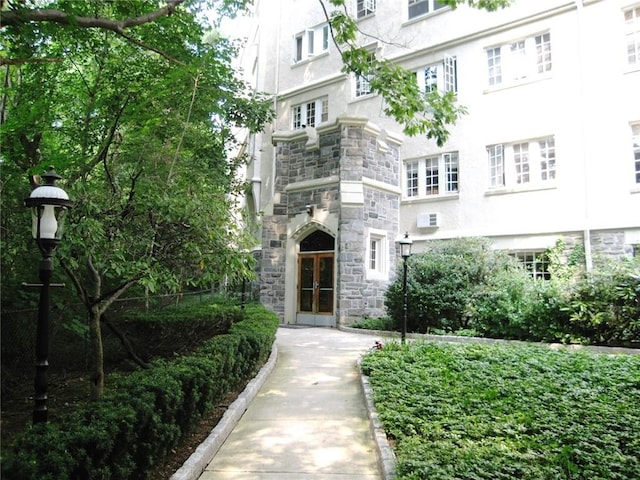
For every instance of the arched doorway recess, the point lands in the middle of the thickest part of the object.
(316, 280)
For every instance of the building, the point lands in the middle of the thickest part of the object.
(549, 149)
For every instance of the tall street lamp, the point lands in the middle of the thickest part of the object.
(405, 253)
(47, 201)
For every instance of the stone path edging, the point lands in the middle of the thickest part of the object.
(457, 339)
(384, 452)
(198, 461)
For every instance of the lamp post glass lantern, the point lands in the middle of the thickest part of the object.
(405, 253)
(47, 201)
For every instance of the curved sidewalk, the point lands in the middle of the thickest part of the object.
(309, 419)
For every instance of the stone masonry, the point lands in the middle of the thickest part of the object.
(348, 153)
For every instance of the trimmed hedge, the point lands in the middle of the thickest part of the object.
(145, 414)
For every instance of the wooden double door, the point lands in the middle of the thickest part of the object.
(316, 289)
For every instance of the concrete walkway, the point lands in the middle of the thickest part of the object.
(309, 419)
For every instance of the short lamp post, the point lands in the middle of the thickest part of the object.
(47, 201)
(405, 253)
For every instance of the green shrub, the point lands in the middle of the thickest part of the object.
(145, 413)
(478, 411)
(380, 323)
(442, 282)
(605, 305)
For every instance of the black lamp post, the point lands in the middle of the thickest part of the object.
(47, 202)
(405, 253)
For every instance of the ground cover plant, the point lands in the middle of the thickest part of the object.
(477, 411)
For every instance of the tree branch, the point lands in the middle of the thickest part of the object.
(18, 17)
(125, 343)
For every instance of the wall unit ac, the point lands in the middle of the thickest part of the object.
(428, 220)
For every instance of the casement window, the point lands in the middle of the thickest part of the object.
(411, 169)
(422, 7)
(519, 60)
(441, 77)
(365, 8)
(377, 253)
(632, 31)
(635, 133)
(536, 263)
(310, 43)
(432, 176)
(309, 114)
(522, 163)
(363, 82)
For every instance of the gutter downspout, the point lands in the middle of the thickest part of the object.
(587, 231)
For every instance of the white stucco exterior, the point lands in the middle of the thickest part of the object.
(575, 108)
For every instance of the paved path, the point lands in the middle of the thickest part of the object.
(309, 419)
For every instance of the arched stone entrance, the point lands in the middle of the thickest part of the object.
(316, 280)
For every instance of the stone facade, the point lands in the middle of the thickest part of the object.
(345, 182)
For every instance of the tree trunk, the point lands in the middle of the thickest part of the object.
(96, 354)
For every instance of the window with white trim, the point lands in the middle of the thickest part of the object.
(431, 176)
(377, 254)
(635, 142)
(309, 114)
(311, 42)
(365, 8)
(422, 7)
(363, 82)
(519, 60)
(442, 76)
(536, 263)
(632, 31)
(523, 163)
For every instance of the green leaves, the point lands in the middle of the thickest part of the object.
(464, 411)
(428, 114)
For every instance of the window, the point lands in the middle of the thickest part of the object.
(536, 264)
(496, 166)
(635, 132)
(363, 82)
(311, 42)
(522, 163)
(632, 28)
(412, 178)
(309, 114)
(442, 77)
(365, 7)
(377, 253)
(519, 60)
(421, 7)
(432, 176)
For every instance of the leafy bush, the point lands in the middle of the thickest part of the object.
(144, 414)
(442, 282)
(380, 323)
(605, 305)
(463, 285)
(471, 411)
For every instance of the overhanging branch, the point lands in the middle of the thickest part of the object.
(21, 16)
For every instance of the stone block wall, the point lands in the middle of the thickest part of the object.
(359, 296)
(272, 264)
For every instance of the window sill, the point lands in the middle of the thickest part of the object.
(517, 83)
(521, 189)
(366, 17)
(307, 60)
(632, 69)
(376, 275)
(362, 98)
(430, 198)
(635, 189)
(425, 16)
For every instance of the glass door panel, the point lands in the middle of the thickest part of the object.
(307, 290)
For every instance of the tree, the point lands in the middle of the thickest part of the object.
(135, 110)
(428, 114)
